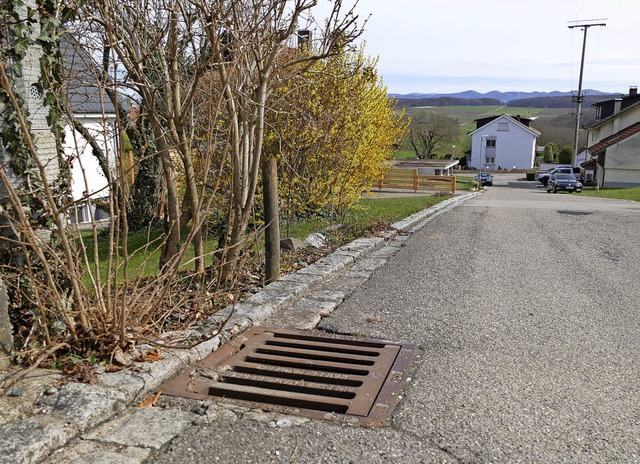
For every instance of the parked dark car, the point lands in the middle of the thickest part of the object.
(485, 178)
(561, 181)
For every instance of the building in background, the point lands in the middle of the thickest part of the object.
(91, 128)
(614, 142)
(503, 142)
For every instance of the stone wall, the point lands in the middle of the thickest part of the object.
(29, 87)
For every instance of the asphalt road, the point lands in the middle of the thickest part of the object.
(525, 307)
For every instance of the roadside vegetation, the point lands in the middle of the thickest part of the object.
(632, 194)
(361, 218)
(237, 130)
(466, 183)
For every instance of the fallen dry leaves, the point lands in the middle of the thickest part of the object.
(152, 356)
(150, 401)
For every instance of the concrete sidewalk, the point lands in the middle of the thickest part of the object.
(39, 417)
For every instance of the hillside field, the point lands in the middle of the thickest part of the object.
(467, 114)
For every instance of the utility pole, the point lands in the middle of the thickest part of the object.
(578, 99)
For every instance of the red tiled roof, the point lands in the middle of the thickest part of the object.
(615, 138)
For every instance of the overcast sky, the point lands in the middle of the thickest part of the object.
(506, 45)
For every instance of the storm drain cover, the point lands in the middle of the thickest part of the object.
(302, 373)
(575, 213)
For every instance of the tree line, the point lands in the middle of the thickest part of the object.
(447, 101)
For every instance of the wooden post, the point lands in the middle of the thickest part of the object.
(453, 184)
(272, 219)
(415, 180)
(6, 339)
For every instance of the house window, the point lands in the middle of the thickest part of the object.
(491, 142)
(503, 126)
(490, 159)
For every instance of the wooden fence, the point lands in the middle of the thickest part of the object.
(409, 179)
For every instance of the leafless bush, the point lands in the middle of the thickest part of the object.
(136, 70)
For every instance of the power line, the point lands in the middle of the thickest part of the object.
(580, 97)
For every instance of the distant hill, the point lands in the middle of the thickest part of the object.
(502, 97)
(446, 101)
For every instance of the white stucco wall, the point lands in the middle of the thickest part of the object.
(622, 163)
(614, 125)
(86, 174)
(515, 147)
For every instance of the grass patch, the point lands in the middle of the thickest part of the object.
(144, 254)
(466, 183)
(366, 213)
(143, 251)
(373, 210)
(405, 154)
(632, 194)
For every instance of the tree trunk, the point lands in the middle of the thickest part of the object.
(143, 199)
(171, 245)
(413, 144)
(144, 195)
(271, 219)
(247, 138)
(192, 203)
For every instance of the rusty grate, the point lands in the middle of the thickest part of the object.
(301, 373)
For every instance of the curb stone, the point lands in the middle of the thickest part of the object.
(76, 409)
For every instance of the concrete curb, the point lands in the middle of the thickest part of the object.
(76, 409)
(419, 220)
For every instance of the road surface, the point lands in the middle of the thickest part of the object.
(525, 308)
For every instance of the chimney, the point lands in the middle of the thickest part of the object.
(304, 38)
(617, 104)
(633, 91)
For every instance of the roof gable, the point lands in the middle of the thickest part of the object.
(480, 122)
(601, 122)
(511, 120)
(80, 80)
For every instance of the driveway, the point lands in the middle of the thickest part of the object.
(524, 306)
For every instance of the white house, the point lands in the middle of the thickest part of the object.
(614, 142)
(94, 112)
(503, 142)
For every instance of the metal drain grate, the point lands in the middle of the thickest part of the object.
(302, 373)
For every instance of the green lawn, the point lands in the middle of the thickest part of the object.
(144, 247)
(404, 154)
(632, 194)
(143, 253)
(467, 182)
(367, 212)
